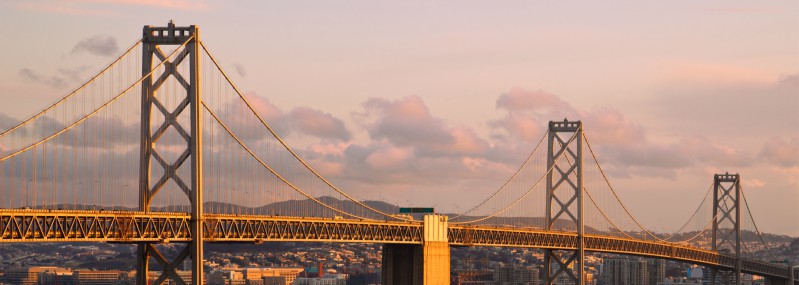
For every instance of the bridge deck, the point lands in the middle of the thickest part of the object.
(21, 225)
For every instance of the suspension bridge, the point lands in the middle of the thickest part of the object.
(160, 146)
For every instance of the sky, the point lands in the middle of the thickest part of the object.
(418, 102)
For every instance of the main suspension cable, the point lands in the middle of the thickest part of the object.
(95, 110)
(48, 108)
(277, 175)
(603, 213)
(612, 190)
(306, 165)
(759, 234)
(694, 214)
(554, 163)
(529, 158)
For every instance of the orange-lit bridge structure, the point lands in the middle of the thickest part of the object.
(189, 159)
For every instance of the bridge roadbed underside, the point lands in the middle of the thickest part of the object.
(21, 225)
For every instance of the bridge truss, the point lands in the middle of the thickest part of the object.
(159, 227)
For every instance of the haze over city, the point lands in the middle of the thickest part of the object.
(395, 101)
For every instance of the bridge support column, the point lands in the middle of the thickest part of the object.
(726, 234)
(426, 264)
(152, 130)
(402, 264)
(565, 201)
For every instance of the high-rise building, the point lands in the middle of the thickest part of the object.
(516, 276)
(624, 271)
(657, 270)
(614, 271)
(638, 273)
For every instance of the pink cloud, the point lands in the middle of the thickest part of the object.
(405, 122)
(753, 183)
(477, 164)
(781, 152)
(609, 126)
(620, 143)
(242, 122)
(329, 148)
(327, 167)
(705, 151)
(264, 107)
(518, 126)
(792, 175)
(6, 122)
(318, 124)
(465, 141)
(389, 158)
(301, 120)
(528, 114)
(646, 158)
(790, 80)
(643, 155)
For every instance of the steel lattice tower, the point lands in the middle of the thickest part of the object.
(565, 198)
(152, 39)
(726, 223)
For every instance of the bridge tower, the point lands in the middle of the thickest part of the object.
(565, 199)
(726, 224)
(152, 40)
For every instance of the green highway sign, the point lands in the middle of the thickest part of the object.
(416, 210)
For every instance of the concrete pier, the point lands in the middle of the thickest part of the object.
(426, 264)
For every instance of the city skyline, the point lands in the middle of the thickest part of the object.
(397, 98)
